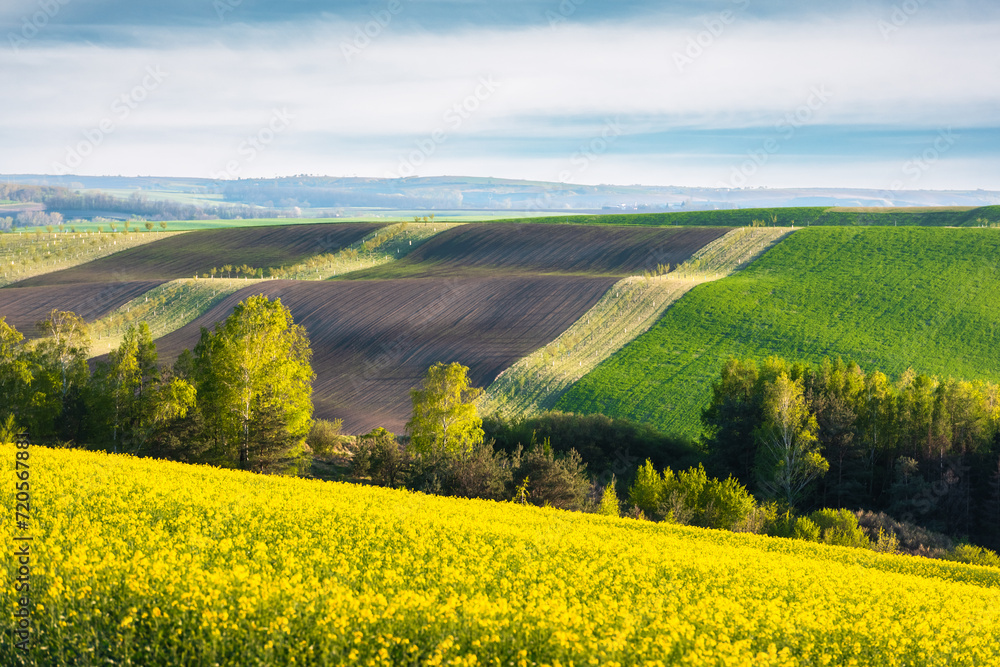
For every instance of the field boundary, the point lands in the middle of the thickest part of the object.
(177, 303)
(626, 311)
(85, 246)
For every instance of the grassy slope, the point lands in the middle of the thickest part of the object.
(887, 298)
(538, 381)
(797, 216)
(165, 564)
(27, 255)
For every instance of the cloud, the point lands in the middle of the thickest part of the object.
(839, 82)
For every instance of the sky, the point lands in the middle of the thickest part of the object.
(731, 93)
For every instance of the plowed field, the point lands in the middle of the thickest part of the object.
(24, 306)
(489, 249)
(373, 340)
(185, 255)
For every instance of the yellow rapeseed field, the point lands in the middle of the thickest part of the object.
(138, 562)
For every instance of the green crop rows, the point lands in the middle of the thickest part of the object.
(887, 298)
(799, 217)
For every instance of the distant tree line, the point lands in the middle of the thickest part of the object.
(61, 199)
(139, 204)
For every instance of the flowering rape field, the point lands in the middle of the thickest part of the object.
(149, 563)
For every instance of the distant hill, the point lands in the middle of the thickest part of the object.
(327, 195)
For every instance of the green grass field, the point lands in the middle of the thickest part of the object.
(887, 298)
(824, 216)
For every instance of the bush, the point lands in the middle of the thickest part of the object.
(805, 528)
(324, 437)
(646, 492)
(556, 481)
(840, 527)
(481, 472)
(690, 497)
(380, 457)
(609, 505)
(606, 445)
(972, 555)
(911, 538)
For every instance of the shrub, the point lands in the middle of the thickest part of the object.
(646, 492)
(840, 527)
(911, 538)
(556, 481)
(324, 437)
(380, 457)
(805, 528)
(609, 505)
(972, 555)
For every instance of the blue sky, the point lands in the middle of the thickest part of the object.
(736, 93)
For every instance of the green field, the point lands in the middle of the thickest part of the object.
(887, 298)
(955, 216)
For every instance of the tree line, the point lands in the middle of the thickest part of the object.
(242, 398)
(921, 449)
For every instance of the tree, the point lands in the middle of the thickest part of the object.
(65, 346)
(125, 385)
(445, 417)
(148, 226)
(788, 458)
(254, 375)
(60, 374)
(228, 269)
(15, 371)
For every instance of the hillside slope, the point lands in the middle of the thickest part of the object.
(155, 563)
(888, 298)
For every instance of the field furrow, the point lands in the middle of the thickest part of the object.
(627, 310)
(372, 341)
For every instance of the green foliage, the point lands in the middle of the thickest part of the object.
(610, 505)
(445, 417)
(555, 480)
(253, 375)
(806, 529)
(606, 445)
(325, 436)
(786, 216)
(788, 456)
(973, 555)
(887, 298)
(840, 527)
(378, 456)
(647, 491)
(691, 497)
(8, 429)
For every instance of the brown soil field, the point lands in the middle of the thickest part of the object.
(24, 306)
(185, 255)
(372, 341)
(503, 249)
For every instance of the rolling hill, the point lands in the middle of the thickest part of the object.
(185, 255)
(158, 563)
(887, 298)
